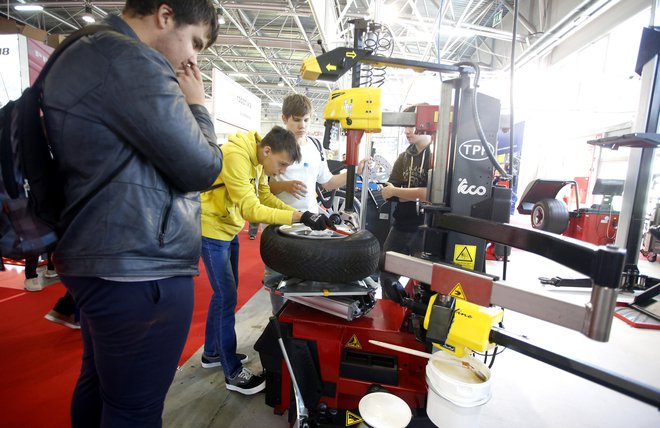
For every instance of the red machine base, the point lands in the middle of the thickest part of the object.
(349, 364)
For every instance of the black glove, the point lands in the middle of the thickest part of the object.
(316, 221)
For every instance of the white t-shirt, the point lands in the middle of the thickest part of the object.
(310, 170)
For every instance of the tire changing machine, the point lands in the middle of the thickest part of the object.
(335, 363)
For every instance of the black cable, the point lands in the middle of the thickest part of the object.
(477, 121)
(513, 63)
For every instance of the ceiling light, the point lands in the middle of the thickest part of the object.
(280, 83)
(88, 17)
(29, 8)
(221, 18)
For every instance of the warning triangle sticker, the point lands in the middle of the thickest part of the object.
(352, 419)
(353, 342)
(458, 292)
(464, 255)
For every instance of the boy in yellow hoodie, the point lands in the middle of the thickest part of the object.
(241, 193)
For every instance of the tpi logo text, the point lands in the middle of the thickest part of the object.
(473, 150)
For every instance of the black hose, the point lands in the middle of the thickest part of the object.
(477, 121)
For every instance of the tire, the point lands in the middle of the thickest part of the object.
(334, 259)
(550, 215)
(652, 257)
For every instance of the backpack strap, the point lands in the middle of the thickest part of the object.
(215, 186)
(318, 145)
(6, 152)
(68, 41)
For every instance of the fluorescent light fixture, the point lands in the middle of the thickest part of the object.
(389, 14)
(88, 16)
(29, 7)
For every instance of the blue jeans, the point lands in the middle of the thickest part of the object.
(133, 334)
(221, 262)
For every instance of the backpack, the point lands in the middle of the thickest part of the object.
(31, 195)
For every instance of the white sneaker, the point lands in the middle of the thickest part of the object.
(50, 274)
(33, 284)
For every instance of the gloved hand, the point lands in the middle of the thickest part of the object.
(316, 221)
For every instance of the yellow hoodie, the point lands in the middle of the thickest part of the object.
(236, 198)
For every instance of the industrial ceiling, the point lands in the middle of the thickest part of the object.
(263, 43)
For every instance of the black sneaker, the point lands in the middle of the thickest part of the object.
(246, 382)
(210, 362)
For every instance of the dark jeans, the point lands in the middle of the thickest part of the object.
(133, 335)
(31, 265)
(409, 243)
(221, 262)
(65, 305)
(253, 229)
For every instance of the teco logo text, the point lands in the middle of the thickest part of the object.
(466, 188)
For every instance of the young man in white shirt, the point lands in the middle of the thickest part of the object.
(297, 186)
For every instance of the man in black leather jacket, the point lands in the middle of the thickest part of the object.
(134, 144)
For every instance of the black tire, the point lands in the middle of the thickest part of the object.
(343, 259)
(550, 215)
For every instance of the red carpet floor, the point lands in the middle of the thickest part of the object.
(40, 361)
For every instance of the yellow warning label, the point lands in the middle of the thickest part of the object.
(465, 255)
(353, 342)
(458, 292)
(352, 418)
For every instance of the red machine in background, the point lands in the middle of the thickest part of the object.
(596, 224)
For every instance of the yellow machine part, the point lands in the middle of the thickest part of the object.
(310, 69)
(470, 329)
(355, 108)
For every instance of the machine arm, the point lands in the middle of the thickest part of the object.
(629, 387)
(333, 64)
(475, 332)
(602, 264)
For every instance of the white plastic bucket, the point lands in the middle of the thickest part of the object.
(456, 393)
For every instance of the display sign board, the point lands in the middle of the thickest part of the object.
(234, 107)
(14, 77)
(37, 55)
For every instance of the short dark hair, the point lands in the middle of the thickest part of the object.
(296, 105)
(188, 12)
(282, 140)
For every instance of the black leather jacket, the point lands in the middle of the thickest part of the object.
(133, 156)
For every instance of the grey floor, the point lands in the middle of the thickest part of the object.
(526, 393)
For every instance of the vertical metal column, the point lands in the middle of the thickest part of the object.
(359, 29)
(640, 163)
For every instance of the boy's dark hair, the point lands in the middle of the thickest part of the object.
(282, 140)
(186, 12)
(296, 105)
